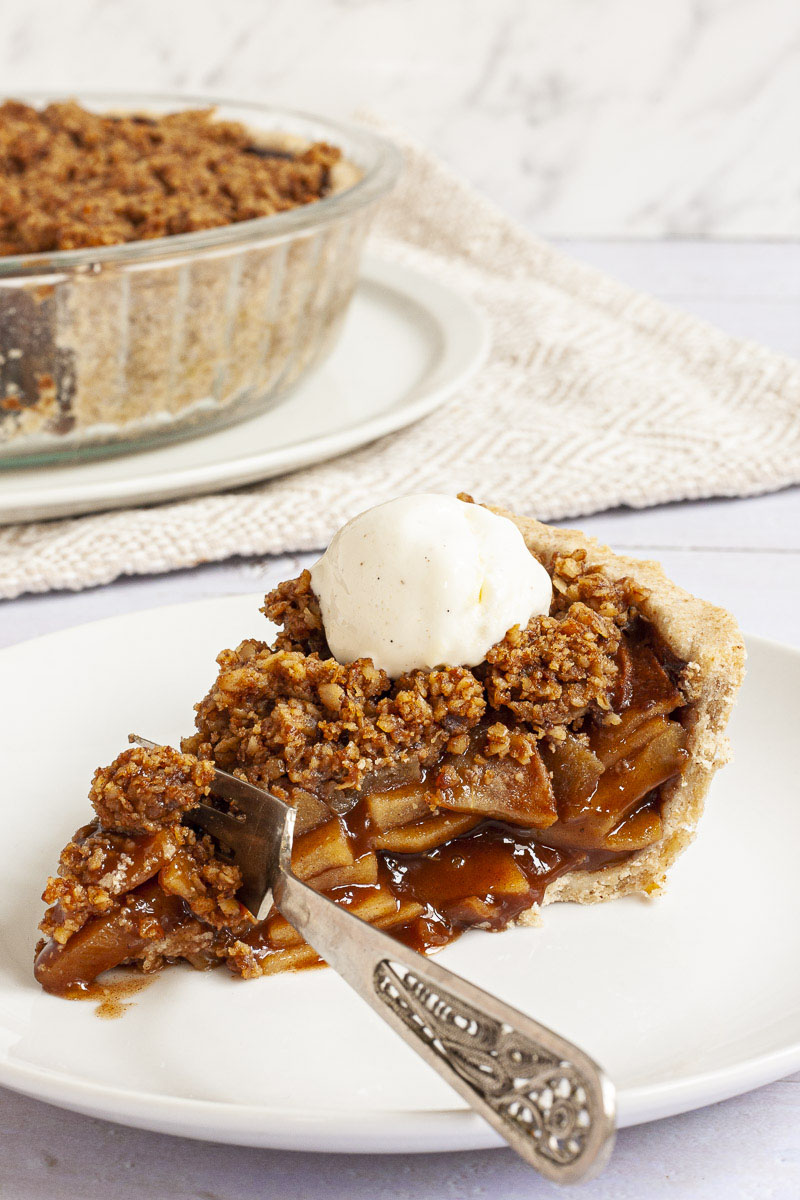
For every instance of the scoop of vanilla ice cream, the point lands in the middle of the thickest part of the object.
(425, 580)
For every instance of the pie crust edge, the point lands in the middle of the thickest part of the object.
(709, 640)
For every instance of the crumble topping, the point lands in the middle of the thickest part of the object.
(574, 581)
(555, 670)
(284, 717)
(71, 178)
(294, 717)
(206, 883)
(503, 741)
(294, 606)
(146, 790)
(77, 893)
(142, 792)
(244, 960)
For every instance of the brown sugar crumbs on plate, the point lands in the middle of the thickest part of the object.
(113, 997)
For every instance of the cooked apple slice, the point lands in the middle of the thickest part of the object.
(280, 933)
(619, 790)
(290, 958)
(621, 787)
(636, 733)
(575, 772)
(424, 835)
(501, 789)
(321, 849)
(469, 867)
(311, 811)
(652, 693)
(370, 904)
(101, 944)
(637, 831)
(363, 871)
(407, 911)
(108, 940)
(400, 806)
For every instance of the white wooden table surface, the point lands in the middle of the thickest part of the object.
(743, 554)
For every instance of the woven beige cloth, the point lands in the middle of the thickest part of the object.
(593, 395)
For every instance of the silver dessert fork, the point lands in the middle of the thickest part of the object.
(548, 1099)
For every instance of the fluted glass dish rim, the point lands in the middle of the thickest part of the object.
(377, 157)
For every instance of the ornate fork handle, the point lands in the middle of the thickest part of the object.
(543, 1095)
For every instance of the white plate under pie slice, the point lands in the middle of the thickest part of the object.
(408, 342)
(685, 1000)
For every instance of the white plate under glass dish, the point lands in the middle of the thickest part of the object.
(408, 342)
(685, 1000)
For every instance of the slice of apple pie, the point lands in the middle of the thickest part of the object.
(513, 715)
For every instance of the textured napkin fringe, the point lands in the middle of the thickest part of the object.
(594, 395)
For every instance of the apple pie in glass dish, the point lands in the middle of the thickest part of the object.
(168, 266)
(532, 718)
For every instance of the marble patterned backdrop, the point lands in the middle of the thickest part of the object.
(595, 118)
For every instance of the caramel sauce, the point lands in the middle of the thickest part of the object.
(486, 877)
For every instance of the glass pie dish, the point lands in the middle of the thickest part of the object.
(114, 348)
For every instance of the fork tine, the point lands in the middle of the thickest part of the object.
(260, 839)
(140, 741)
(222, 826)
(248, 798)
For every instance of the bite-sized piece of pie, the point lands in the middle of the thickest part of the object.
(565, 759)
(137, 884)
